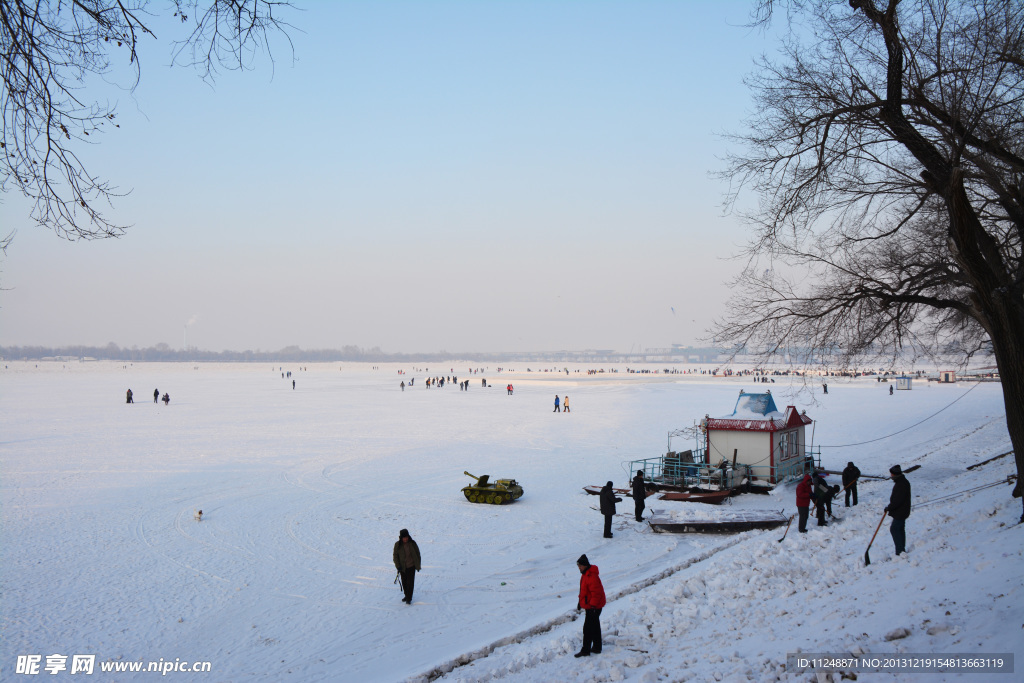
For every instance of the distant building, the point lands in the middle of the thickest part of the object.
(947, 377)
(903, 383)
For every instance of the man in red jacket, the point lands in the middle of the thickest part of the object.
(803, 502)
(591, 600)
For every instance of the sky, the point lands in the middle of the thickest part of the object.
(418, 177)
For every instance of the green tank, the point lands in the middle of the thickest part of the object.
(499, 492)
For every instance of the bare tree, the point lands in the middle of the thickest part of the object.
(887, 155)
(53, 53)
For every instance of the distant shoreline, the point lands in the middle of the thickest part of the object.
(677, 359)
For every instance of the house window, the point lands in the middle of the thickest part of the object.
(788, 445)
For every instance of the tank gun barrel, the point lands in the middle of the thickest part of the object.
(470, 475)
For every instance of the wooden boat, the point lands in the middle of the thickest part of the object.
(710, 497)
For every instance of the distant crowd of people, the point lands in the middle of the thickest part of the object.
(156, 397)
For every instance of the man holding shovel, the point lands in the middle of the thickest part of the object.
(899, 508)
(850, 476)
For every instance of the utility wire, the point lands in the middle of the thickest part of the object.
(861, 443)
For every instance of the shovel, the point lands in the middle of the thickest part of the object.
(787, 528)
(867, 560)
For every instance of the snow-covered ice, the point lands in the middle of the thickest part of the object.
(303, 491)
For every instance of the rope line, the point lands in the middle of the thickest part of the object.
(949, 496)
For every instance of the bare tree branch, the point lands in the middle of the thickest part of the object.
(51, 53)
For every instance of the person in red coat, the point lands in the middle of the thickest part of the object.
(803, 502)
(591, 600)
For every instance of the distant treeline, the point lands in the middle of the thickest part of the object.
(163, 352)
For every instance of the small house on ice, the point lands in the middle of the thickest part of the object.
(903, 383)
(947, 376)
(756, 434)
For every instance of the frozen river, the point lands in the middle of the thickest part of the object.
(304, 490)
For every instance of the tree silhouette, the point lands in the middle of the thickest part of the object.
(887, 155)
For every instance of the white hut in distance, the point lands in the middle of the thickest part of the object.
(757, 435)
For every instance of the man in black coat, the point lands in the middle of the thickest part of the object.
(639, 494)
(850, 476)
(821, 493)
(608, 501)
(899, 508)
(407, 561)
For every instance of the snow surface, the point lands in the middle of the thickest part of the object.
(289, 573)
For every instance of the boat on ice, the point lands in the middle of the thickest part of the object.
(710, 497)
(754, 448)
(702, 520)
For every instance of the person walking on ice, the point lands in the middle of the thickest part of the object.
(407, 562)
(129, 397)
(592, 600)
(565, 404)
(557, 409)
(156, 396)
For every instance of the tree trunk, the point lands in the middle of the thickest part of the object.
(1000, 305)
(1008, 343)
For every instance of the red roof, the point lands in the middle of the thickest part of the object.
(791, 419)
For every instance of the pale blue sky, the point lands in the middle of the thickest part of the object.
(425, 176)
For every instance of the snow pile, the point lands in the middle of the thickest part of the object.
(755, 406)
